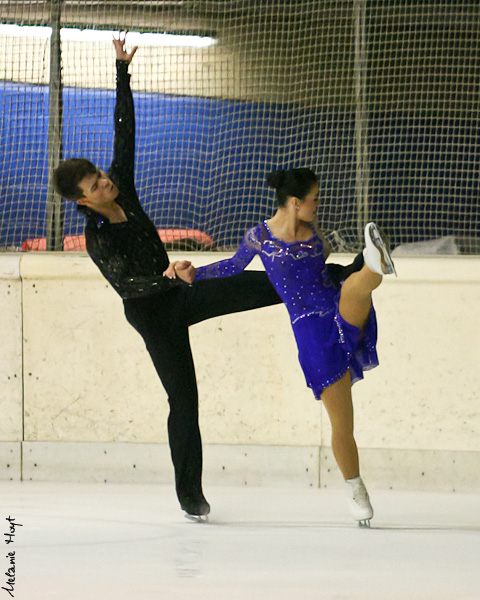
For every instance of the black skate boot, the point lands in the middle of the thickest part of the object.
(195, 506)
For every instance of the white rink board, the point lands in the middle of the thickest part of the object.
(88, 379)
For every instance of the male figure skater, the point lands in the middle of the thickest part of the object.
(124, 244)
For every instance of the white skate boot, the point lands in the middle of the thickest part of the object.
(359, 502)
(376, 254)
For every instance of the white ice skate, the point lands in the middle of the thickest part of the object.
(359, 502)
(376, 254)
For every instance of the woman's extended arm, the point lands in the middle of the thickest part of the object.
(224, 268)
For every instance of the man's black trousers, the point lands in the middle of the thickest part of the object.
(163, 320)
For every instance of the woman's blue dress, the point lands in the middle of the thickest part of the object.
(327, 345)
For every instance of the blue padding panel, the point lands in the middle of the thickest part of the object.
(199, 162)
(23, 148)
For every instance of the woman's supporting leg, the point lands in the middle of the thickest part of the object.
(337, 399)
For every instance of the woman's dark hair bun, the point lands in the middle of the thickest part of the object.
(276, 179)
(294, 182)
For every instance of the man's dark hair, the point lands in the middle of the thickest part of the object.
(68, 175)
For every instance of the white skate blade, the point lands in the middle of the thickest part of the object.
(365, 524)
(377, 257)
(196, 518)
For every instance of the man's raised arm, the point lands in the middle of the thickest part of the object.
(122, 167)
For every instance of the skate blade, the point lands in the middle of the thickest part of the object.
(196, 518)
(387, 263)
(365, 524)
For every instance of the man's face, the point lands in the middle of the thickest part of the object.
(98, 190)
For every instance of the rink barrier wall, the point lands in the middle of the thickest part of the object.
(80, 400)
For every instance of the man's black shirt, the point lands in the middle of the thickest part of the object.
(130, 254)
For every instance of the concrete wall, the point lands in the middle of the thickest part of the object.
(80, 400)
(263, 57)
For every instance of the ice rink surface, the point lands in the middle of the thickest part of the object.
(119, 542)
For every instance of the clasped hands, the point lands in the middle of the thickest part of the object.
(183, 269)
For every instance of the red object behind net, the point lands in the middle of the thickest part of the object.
(180, 237)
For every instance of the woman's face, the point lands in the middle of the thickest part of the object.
(307, 208)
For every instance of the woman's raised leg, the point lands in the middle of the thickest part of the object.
(356, 296)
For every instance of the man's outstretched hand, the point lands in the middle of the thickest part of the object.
(119, 44)
(183, 269)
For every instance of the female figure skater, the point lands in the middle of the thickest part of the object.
(335, 329)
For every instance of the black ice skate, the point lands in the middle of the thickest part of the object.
(196, 507)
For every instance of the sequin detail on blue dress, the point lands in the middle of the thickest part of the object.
(327, 345)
